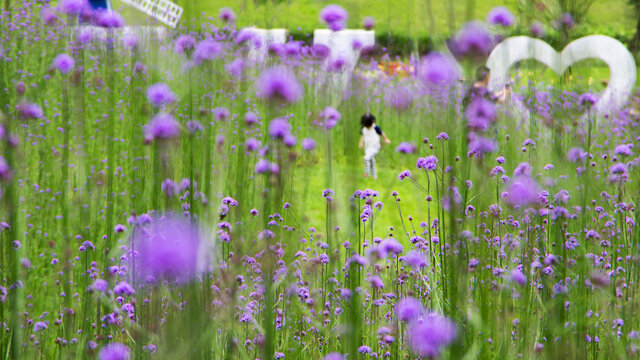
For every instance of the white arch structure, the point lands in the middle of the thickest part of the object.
(262, 38)
(341, 44)
(621, 64)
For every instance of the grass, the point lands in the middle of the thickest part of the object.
(406, 16)
(86, 166)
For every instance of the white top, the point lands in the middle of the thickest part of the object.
(371, 141)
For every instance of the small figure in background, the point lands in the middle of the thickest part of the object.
(480, 88)
(370, 141)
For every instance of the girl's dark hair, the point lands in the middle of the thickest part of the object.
(367, 120)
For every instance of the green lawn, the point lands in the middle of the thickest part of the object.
(404, 16)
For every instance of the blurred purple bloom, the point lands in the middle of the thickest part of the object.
(518, 277)
(587, 99)
(130, 41)
(334, 356)
(250, 118)
(567, 21)
(100, 285)
(330, 117)
(5, 171)
(500, 15)
(474, 40)
(72, 7)
(400, 97)
(244, 35)
(207, 50)
(279, 128)
(123, 288)
(221, 113)
(408, 309)
(163, 126)
(618, 169)
(320, 51)
(308, 144)
(64, 63)
(430, 334)
(194, 126)
(252, 144)
(415, 259)
(479, 146)
(523, 169)
(279, 84)
(368, 22)
(480, 113)
(522, 190)
(48, 16)
(30, 111)
(169, 187)
(406, 148)
(438, 69)
(537, 29)
(109, 19)
(624, 149)
(114, 351)
(227, 14)
(334, 16)
(576, 154)
(392, 246)
(169, 249)
(184, 43)
(160, 94)
(235, 67)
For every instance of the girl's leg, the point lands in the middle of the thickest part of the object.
(374, 170)
(367, 167)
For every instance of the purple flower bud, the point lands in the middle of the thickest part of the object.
(64, 63)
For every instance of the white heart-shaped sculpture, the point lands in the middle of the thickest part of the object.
(341, 44)
(621, 64)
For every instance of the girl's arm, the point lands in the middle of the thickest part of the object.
(361, 143)
(386, 139)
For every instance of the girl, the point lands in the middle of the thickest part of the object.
(370, 141)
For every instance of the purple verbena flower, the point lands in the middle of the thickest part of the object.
(227, 14)
(64, 63)
(207, 50)
(29, 111)
(334, 16)
(109, 19)
(114, 351)
(308, 144)
(500, 15)
(72, 7)
(184, 43)
(474, 41)
(279, 84)
(279, 128)
(170, 250)
(406, 148)
(430, 334)
(408, 309)
(368, 22)
(438, 69)
(163, 126)
(160, 94)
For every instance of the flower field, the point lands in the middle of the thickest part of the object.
(180, 194)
